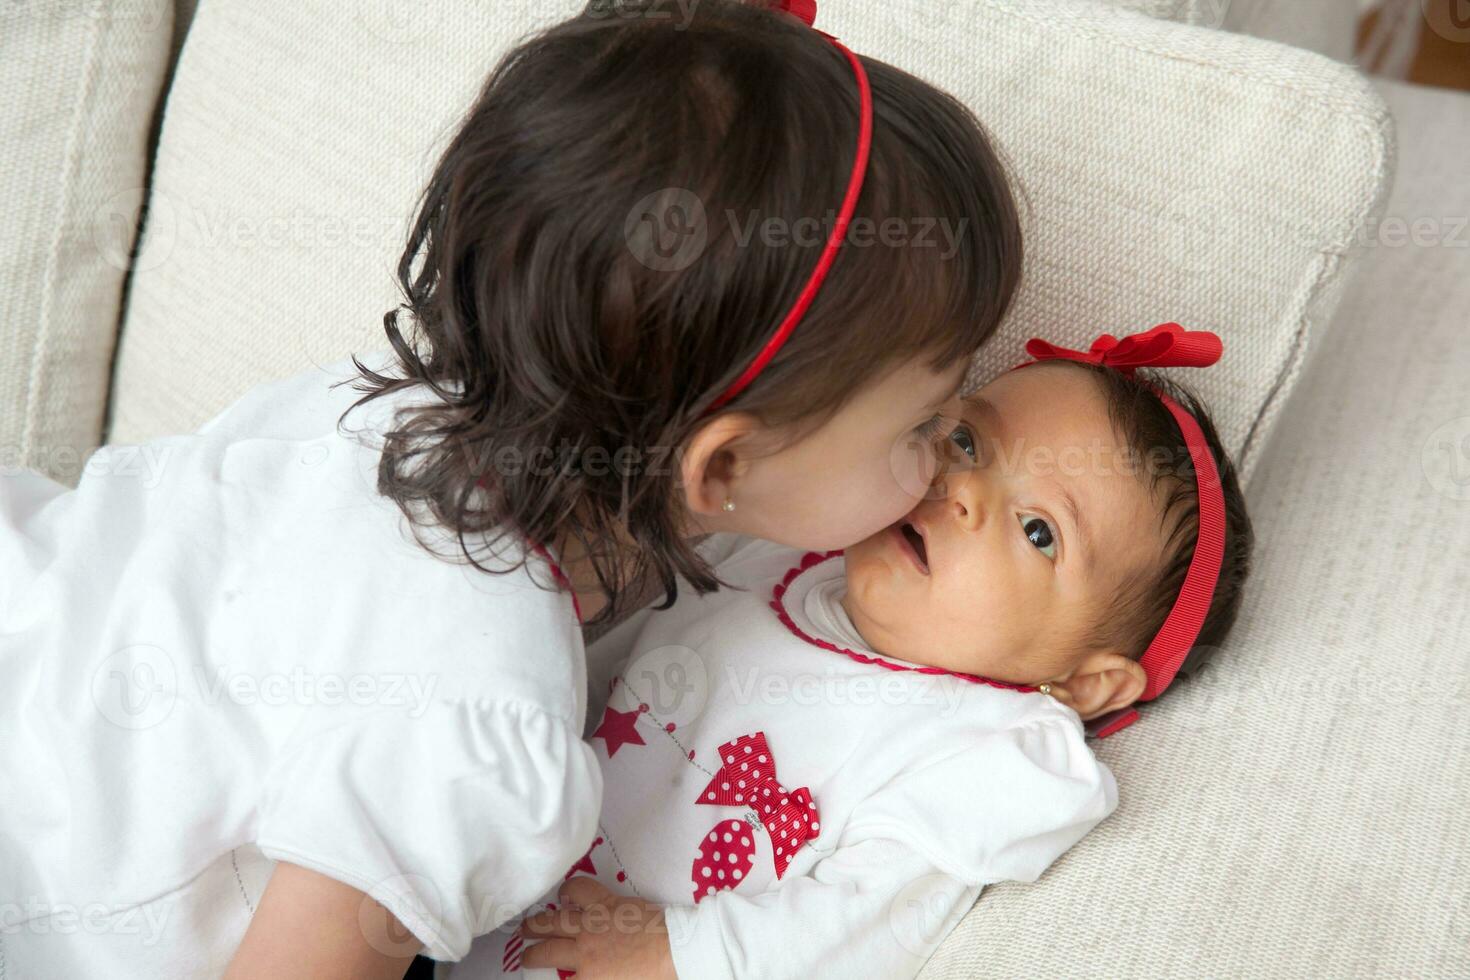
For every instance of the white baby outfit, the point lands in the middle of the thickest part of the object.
(805, 807)
(226, 647)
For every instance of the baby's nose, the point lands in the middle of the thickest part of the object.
(966, 502)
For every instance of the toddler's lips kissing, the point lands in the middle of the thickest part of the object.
(910, 537)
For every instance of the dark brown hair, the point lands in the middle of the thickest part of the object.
(545, 316)
(1138, 606)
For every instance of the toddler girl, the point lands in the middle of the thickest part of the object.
(818, 769)
(240, 654)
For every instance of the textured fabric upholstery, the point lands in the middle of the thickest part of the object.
(78, 86)
(1302, 807)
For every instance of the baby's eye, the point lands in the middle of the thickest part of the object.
(965, 439)
(1039, 533)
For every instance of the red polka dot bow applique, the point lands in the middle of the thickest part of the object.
(748, 778)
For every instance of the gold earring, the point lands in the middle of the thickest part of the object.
(729, 505)
(1044, 688)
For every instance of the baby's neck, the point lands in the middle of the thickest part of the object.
(868, 635)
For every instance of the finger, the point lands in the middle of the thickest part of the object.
(554, 954)
(563, 921)
(583, 891)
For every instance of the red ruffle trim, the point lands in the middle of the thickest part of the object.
(816, 558)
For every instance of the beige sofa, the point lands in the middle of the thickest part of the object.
(1300, 808)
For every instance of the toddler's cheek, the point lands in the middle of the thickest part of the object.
(862, 514)
(913, 469)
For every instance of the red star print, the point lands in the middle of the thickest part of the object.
(585, 863)
(618, 728)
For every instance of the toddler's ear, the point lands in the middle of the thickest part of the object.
(714, 460)
(1104, 681)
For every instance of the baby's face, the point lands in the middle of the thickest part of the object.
(1004, 571)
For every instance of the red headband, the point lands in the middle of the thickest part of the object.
(806, 10)
(1166, 345)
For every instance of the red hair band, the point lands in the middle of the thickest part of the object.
(806, 10)
(1166, 345)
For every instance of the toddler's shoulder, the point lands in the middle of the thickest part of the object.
(309, 403)
(747, 562)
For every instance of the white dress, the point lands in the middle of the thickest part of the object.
(226, 649)
(805, 807)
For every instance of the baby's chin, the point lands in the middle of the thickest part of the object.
(867, 568)
(883, 608)
(870, 592)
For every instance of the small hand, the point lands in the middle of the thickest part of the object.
(600, 935)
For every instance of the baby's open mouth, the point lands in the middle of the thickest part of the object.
(915, 541)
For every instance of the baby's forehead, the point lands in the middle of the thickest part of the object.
(1039, 393)
(1049, 426)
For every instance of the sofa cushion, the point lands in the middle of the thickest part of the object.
(1302, 806)
(1173, 173)
(1326, 26)
(77, 93)
(296, 138)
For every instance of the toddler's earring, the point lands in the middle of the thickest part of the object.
(728, 505)
(1044, 688)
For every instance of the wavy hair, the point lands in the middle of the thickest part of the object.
(541, 311)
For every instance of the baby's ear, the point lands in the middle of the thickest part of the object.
(1104, 681)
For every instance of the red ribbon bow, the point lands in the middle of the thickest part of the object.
(748, 778)
(804, 9)
(1167, 345)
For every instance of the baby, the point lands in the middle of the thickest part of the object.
(816, 771)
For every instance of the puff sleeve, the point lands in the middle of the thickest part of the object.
(455, 819)
(871, 909)
(1001, 806)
